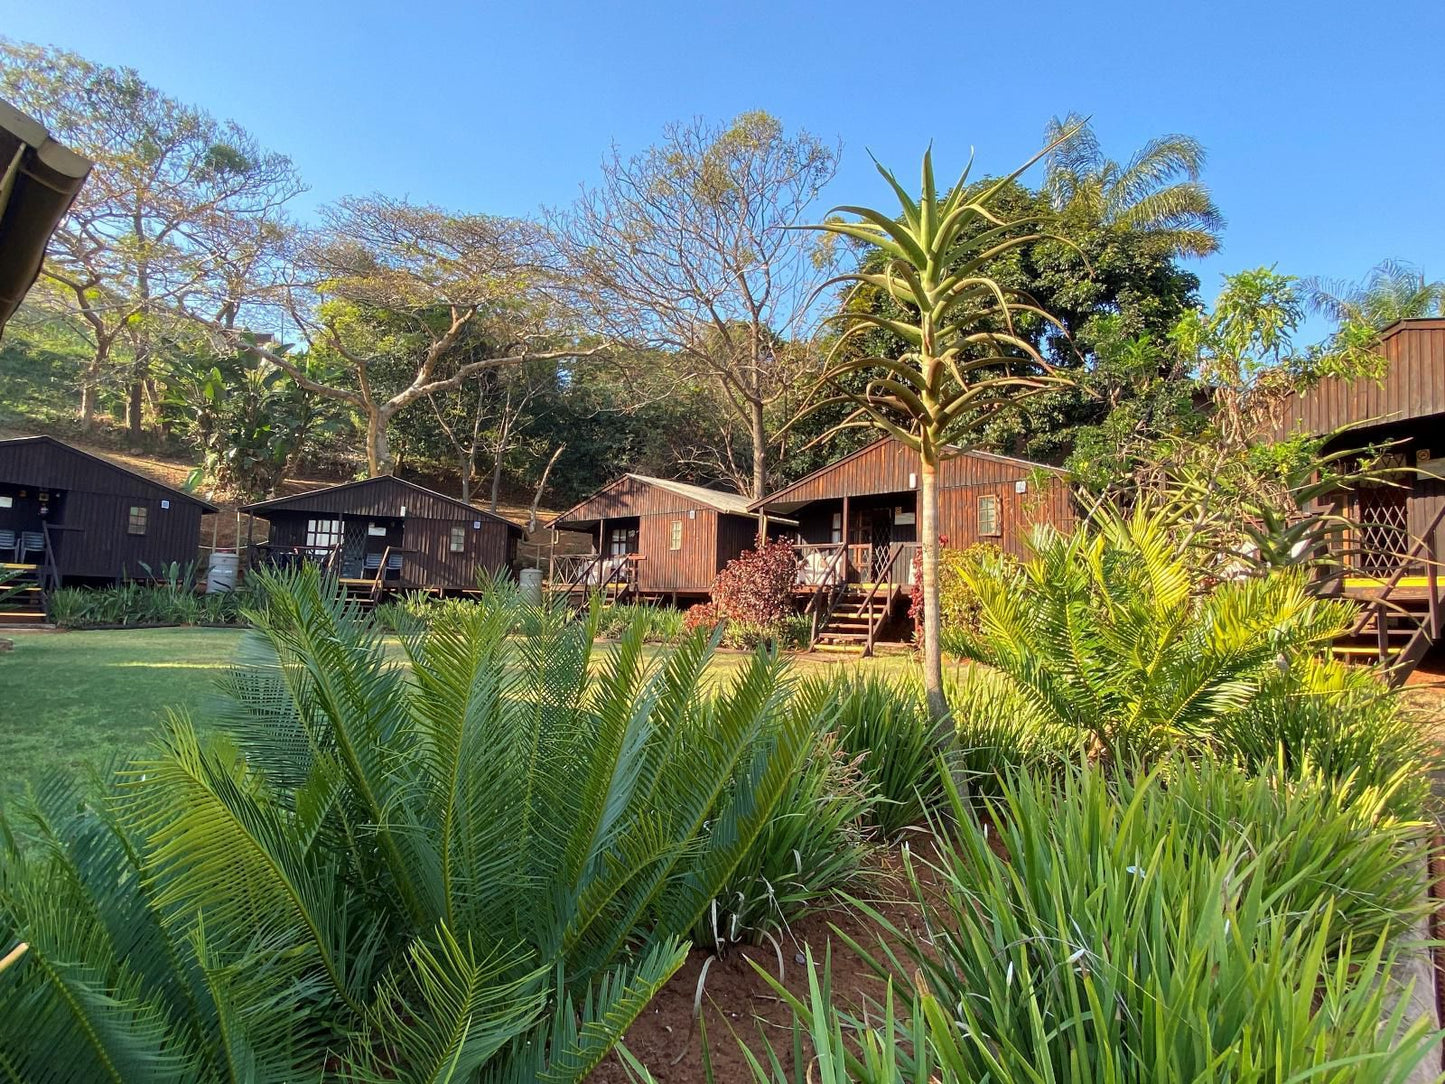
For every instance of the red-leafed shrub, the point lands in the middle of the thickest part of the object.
(702, 616)
(915, 596)
(756, 587)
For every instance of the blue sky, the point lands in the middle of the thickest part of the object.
(1323, 119)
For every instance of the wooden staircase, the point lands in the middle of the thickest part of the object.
(22, 598)
(856, 618)
(1400, 618)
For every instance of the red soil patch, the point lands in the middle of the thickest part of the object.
(738, 1005)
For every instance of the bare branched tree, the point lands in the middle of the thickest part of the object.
(683, 250)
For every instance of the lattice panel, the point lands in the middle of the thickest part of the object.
(1383, 536)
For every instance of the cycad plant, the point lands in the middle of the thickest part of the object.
(959, 361)
(480, 864)
(1114, 635)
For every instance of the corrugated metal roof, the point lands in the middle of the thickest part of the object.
(317, 499)
(717, 499)
(45, 440)
(39, 180)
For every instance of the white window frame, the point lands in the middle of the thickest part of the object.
(324, 534)
(457, 542)
(835, 532)
(990, 501)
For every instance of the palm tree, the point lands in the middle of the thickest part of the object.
(1393, 290)
(1158, 191)
(961, 362)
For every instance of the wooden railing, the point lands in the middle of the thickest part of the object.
(590, 573)
(1382, 606)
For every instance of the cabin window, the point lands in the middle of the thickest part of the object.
(988, 515)
(621, 541)
(137, 522)
(459, 540)
(323, 534)
(676, 542)
(836, 534)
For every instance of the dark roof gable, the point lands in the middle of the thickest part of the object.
(353, 497)
(50, 448)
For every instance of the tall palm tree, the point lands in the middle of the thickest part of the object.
(1158, 191)
(1392, 290)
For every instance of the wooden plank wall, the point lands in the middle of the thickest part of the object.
(96, 501)
(1413, 387)
(688, 570)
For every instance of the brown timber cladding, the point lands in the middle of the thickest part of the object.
(425, 531)
(1413, 386)
(710, 539)
(889, 467)
(96, 498)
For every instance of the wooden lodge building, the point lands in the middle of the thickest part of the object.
(70, 517)
(857, 528)
(386, 534)
(1395, 540)
(655, 539)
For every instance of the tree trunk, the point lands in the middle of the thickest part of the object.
(496, 483)
(465, 467)
(88, 392)
(378, 447)
(759, 436)
(928, 538)
(135, 411)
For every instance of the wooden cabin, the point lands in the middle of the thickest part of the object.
(655, 539)
(1395, 539)
(70, 517)
(386, 534)
(857, 522)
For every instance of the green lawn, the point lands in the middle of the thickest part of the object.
(72, 699)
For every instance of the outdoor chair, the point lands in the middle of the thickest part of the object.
(30, 542)
(8, 546)
(393, 566)
(371, 564)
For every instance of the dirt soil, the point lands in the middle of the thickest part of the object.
(738, 1005)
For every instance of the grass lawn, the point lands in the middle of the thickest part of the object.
(73, 699)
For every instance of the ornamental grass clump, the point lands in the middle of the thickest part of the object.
(479, 863)
(1196, 923)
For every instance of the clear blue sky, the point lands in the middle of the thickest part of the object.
(1323, 119)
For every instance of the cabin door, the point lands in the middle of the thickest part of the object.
(880, 540)
(1382, 514)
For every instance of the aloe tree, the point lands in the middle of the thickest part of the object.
(959, 363)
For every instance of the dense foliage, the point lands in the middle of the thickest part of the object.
(1113, 639)
(325, 890)
(1195, 923)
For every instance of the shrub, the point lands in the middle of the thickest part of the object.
(704, 615)
(814, 847)
(486, 860)
(885, 725)
(756, 587)
(1111, 635)
(143, 604)
(660, 624)
(1221, 927)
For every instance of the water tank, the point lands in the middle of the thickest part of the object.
(221, 571)
(530, 580)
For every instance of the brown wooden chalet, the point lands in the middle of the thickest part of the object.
(654, 538)
(857, 528)
(1392, 549)
(70, 517)
(386, 534)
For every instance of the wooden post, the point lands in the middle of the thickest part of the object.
(847, 537)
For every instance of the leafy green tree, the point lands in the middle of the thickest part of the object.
(1157, 192)
(181, 211)
(958, 360)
